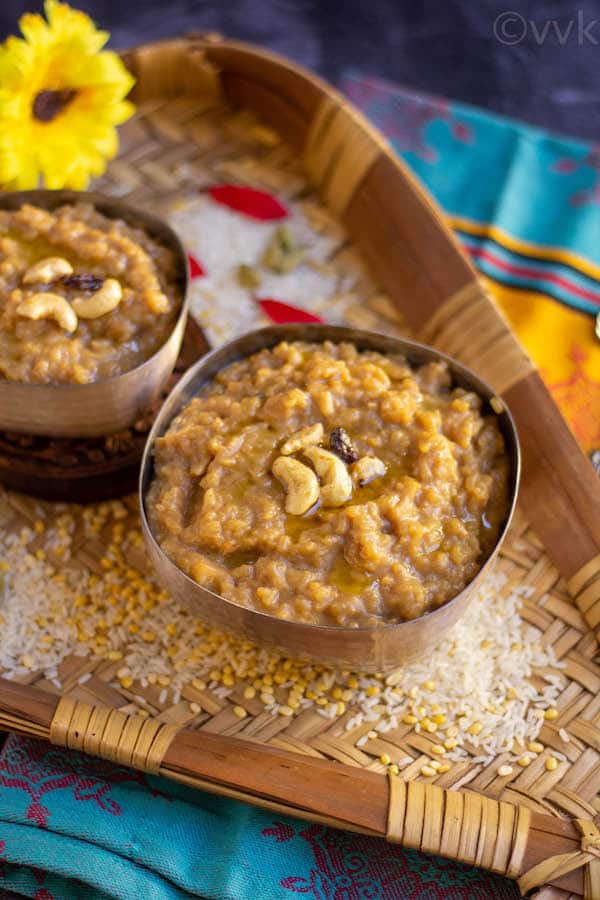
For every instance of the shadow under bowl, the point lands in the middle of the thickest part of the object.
(368, 649)
(112, 404)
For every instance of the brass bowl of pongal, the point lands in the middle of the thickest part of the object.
(332, 493)
(92, 312)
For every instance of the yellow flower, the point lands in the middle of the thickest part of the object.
(61, 97)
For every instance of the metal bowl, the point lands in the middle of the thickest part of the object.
(112, 404)
(368, 649)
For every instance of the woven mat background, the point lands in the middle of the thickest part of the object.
(168, 151)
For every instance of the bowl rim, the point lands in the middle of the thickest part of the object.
(152, 224)
(274, 334)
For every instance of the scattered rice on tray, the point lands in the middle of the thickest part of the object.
(221, 240)
(474, 689)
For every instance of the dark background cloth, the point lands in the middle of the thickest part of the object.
(538, 62)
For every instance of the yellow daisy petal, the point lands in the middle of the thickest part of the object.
(16, 61)
(34, 29)
(73, 25)
(61, 97)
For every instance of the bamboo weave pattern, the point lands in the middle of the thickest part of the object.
(110, 734)
(469, 327)
(584, 587)
(464, 826)
(588, 855)
(337, 154)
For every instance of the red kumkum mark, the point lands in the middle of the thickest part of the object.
(283, 314)
(196, 270)
(249, 202)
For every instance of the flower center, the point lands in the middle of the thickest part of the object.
(47, 105)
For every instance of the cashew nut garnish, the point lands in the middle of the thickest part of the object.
(305, 437)
(47, 270)
(49, 306)
(367, 468)
(336, 484)
(300, 484)
(101, 302)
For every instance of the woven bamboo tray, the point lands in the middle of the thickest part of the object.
(198, 101)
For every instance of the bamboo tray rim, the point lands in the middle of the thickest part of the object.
(207, 51)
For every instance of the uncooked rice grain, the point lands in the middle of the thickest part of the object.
(478, 675)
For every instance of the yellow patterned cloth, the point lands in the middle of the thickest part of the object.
(563, 345)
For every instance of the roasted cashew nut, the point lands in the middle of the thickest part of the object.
(47, 270)
(300, 484)
(367, 468)
(156, 301)
(49, 306)
(101, 302)
(336, 484)
(305, 437)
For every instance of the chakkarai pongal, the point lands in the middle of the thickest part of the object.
(327, 485)
(83, 297)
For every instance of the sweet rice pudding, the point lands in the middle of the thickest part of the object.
(82, 297)
(317, 483)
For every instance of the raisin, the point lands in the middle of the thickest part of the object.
(341, 444)
(83, 282)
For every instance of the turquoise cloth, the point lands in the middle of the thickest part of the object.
(541, 189)
(76, 827)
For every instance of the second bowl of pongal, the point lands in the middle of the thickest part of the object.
(336, 492)
(92, 312)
